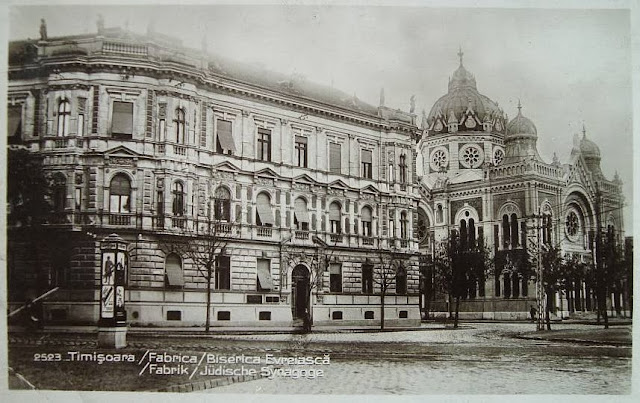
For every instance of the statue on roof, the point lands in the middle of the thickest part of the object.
(43, 29)
(412, 102)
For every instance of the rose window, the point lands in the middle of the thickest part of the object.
(572, 224)
(498, 156)
(423, 227)
(439, 159)
(471, 156)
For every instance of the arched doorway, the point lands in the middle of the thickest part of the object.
(299, 291)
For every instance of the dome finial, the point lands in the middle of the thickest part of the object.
(584, 131)
(460, 54)
(519, 107)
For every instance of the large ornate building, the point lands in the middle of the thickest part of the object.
(481, 175)
(145, 138)
(311, 190)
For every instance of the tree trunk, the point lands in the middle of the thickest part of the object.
(382, 311)
(547, 310)
(207, 324)
(455, 320)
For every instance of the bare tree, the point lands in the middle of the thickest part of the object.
(458, 265)
(391, 265)
(204, 243)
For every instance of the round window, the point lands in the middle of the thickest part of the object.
(439, 159)
(572, 224)
(471, 156)
(498, 156)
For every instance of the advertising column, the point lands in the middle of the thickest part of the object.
(112, 331)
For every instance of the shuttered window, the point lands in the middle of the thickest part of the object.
(335, 277)
(334, 218)
(122, 119)
(366, 221)
(367, 166)
(335, 155)
(301, 214)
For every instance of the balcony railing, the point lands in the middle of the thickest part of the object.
(179, 150)
(302, 235)
(367, 241)
(335, 238)
(61, 143)
(119, 219)
(265, 232)
(178, 222)
(223, 228)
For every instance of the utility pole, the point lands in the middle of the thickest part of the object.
(600, 276)
(534, 252)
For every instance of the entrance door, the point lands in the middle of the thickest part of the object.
(300, 291)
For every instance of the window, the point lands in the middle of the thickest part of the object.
(403, 169)
(367, 166)
(404, 224)
(336, 315)
(367, 279)
(403, 314)
(224, 140)
(81, 124)
(391, 174)
(173, 271)
(265, 282)
(506, 231)
(222, 204)
(265, 315)
(14, 127)
(401, 281)
(178, 199)
(369, 315)
(174, 315)
(120, 194)
(301, 215)
(334, 218)
(160, 202)
(547, 231)
(122, 119)
(162, 129)
(223, 273)
(335, 156)
(515, 242)
(59, 193)
(264, 215)
(64, 113)
(301, 151)
(224, 315)
(180, 123)
(78, 199)
(264, 144)
(335, 277)
(366, 221)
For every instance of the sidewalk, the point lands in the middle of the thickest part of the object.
(617, 335)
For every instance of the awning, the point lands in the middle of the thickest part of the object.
(265, 214)
(264, 277)
(15, 121)
(174, 274)
(122, 122)
(225, 136)
(335, 268)
(366, 156)
(334, 212)
(301, 212)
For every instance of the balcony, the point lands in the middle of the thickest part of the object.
(178, 222)
(367, 241)
(180, 150)
(224, 228)
(302, 235)
(335, 238)
(119, 219)
(264, 232)
(61, 143)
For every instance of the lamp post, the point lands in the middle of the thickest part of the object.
(112, 326)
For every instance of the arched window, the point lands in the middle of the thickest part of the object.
(506, 231)
(173, 271)
(120, 194)
(403, 168)
(391, 174)
(463, 234)
(366, 218)
(222, 204)
(301, 215)
(547, 231)
(180, 123)
(439, 214)
(59, 192)
(472, 232)
(515, 242)
(64, 114)
(178, 199)
(334, 218)
(264, 215)
(404, 225)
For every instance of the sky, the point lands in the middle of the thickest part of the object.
(568, 67)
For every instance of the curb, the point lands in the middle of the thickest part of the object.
(208, 384)
(581, 341)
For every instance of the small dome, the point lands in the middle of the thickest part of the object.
(521, 125)
(589, 149)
